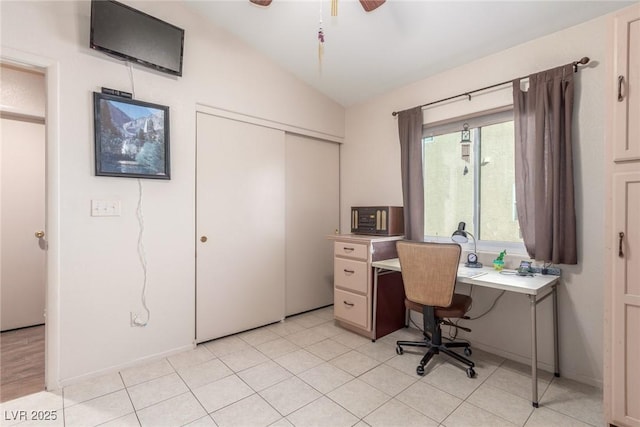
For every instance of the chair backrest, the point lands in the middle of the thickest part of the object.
(429, 271)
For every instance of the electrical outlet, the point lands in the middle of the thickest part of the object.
(133, 317)
(136, 320)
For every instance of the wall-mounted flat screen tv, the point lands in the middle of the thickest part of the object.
(132, 35)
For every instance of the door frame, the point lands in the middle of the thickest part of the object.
(51, 69)
(268, 123)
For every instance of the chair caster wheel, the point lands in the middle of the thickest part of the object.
(471, 373)
(467, 351)
(399, 350)
(420, 370)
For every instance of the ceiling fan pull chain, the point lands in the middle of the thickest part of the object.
(320, 47)
(320, 40)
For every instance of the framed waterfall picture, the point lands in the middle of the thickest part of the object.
(131, 137)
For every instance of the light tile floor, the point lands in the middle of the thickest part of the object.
(306, 371)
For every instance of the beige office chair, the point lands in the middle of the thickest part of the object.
(429, 273)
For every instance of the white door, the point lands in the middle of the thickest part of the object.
(22, 265)
(240, 230)
(313, 213)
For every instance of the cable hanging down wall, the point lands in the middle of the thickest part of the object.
(583, 61)
(142, 256)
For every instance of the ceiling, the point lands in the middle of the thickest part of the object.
(403, 41)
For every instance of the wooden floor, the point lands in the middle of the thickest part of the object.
(21, 362)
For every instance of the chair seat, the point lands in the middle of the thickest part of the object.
(460, 304)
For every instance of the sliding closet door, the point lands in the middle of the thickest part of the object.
(313, 212)
(240, 226)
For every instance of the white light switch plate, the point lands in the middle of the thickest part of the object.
(105, 208)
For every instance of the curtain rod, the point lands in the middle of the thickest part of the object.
(582, 61)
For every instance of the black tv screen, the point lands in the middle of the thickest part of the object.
(127, 33)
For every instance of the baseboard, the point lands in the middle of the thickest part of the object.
(564, 373)
(117, 368)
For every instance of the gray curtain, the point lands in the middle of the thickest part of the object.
(410, 131)
(544, 165)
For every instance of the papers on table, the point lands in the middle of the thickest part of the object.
(470, 272)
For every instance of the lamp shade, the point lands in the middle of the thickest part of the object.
(460, 236)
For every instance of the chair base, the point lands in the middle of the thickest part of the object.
(437, 349)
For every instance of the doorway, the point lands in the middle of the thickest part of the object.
(22, 231)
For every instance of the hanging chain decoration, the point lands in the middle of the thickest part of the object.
(320, 40)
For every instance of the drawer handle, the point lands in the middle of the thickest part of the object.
(348, 249)
(348, 304)
(620, 83)
(349, 271)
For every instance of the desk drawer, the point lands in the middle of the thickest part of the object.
(350, 274)
(352, 250)
(351, 308)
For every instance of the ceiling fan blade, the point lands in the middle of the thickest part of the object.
(264, 3)
(369, 5)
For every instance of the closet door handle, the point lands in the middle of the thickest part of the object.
(620, 253)
(620, 84)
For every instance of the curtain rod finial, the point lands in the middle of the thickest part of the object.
(583, 61)
(395, 113)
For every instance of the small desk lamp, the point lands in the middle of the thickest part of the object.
(460, 236)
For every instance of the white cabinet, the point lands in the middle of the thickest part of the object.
(625, 322)
(626, 110)
(622, 291)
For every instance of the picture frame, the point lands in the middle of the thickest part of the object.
(131, 138)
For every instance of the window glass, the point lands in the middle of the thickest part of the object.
(448, 186)
(474, 183)
(498, 216)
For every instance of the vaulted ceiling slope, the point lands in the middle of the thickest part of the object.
(369, 53)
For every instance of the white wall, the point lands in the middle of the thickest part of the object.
(371, 176)
(100, 278)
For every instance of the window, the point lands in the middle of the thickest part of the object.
(474, 184)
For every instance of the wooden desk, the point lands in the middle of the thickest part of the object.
(537, 288)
